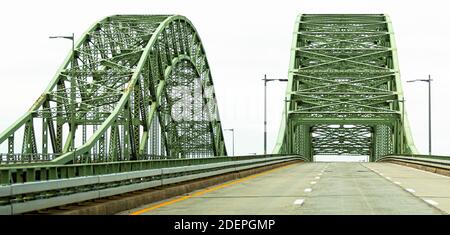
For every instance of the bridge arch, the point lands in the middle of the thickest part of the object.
(344, 92)
(107, 100)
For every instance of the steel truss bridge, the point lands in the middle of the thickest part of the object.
(344, 93)
(133, 107)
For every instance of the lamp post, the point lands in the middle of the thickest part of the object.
(286, 129)
(265, 107)
(72, 89)
(232, 130)
(429, 108)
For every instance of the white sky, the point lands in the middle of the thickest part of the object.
(243, 40)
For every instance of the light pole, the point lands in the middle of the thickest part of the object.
(72, 90)
(232, 130)
(265, 108)
(429, 108)
(286, 123)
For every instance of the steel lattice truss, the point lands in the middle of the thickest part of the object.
(135, 88)
(344, 91)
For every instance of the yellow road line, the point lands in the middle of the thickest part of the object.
(205, 191)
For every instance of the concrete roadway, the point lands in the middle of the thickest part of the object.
(318, 188)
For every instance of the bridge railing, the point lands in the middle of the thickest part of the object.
(19, 159)
(432, 163)
(30, 173)
(68, 184)
(415, 157)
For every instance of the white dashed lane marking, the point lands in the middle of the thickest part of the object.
(308, 190)
(299, 202)
(410, 190)
(313, 182)
(429, 201)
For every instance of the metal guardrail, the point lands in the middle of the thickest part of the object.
(42, 172)
(422, 156)
(442, 162)
(31, 196)
(19, 158)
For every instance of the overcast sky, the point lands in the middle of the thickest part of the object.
(243, 40)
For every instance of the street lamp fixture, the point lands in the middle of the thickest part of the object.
(265, 107)
(72, 38)
(72, 91)
(429, 108)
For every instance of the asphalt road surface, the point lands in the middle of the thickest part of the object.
(317, 188)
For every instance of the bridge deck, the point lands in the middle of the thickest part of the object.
(339, 188)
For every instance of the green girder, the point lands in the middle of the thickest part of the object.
(117, 98)
(344, 94)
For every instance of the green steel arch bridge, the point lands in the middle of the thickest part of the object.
(133, 107)
(344, 93)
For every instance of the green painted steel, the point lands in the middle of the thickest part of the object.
(344, 94)
(43, 172)
(136, 87)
